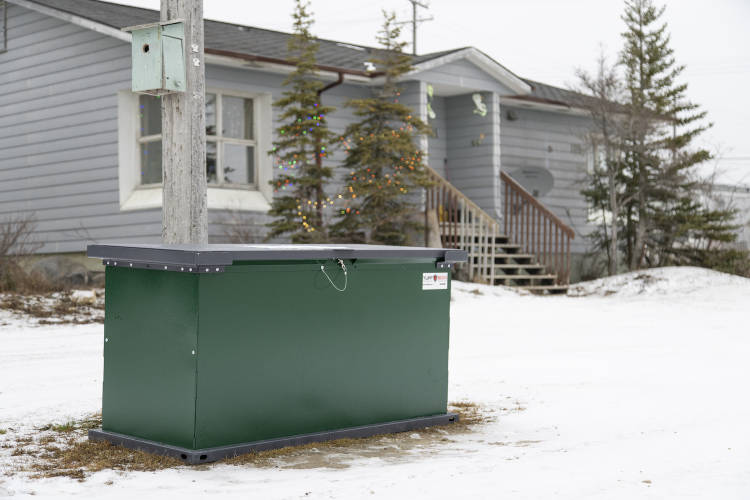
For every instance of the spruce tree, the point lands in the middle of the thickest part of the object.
(660, 160)
(302, 143)
(383, 165)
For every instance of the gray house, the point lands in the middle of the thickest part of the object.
(82, 153)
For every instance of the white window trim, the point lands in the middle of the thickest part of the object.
(134, 196)
(3, 26)
(220, 140)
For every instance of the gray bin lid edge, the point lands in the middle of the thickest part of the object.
(226, 255)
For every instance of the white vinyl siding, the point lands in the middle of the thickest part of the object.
(552, 141)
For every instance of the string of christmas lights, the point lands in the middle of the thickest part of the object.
(348, 194)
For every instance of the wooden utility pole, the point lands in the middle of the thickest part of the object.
(415, 22)
(183, 125)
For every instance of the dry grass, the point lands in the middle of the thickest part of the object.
(78, 458)
(15, 280)
(469, 413)
(63, 450)
(85, 424)
(56, 308)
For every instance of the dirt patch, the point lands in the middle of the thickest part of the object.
(63, 450)
(59, 308)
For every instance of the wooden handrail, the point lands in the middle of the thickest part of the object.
(536, 229)
(464, 225)
(530, 198)
(527, 223)
(443, 182)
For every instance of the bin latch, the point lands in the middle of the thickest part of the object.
(341, 264)
(441, 264)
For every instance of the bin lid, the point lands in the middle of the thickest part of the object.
(227, 254)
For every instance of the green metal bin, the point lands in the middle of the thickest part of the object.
(216, 350)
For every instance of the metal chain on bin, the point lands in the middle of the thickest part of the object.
(341, 264)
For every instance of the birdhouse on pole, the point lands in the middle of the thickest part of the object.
(158, 54)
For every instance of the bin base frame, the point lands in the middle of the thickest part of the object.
(207, 455)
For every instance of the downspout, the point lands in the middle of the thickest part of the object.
(338, 82)
(318, 157)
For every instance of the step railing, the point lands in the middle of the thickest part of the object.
(538, 231)
(463, 225)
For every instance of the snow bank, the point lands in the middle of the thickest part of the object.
(663, 281)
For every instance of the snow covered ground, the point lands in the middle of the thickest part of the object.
(636, 388)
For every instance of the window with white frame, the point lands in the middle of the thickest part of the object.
(3, 27)
(231, 147)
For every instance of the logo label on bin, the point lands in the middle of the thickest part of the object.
(434, 281)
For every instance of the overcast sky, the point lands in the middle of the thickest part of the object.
(547, 40)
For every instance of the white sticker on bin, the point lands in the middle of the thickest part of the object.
(434, 281)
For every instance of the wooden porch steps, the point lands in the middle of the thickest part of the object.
(548, 289)
(529, 268)
(529, 250)
(516, 269)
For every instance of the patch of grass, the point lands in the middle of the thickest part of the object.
(469, 413)
(14, 279)
(3, 431)
(77, 458)
(63, 450)
(66, 427)
(46, 439)
(55, 308)
(84, 424)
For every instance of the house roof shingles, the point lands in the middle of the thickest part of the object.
(229, 38)
(256, 43)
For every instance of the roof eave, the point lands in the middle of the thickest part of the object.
(542, 105)
(484, 62)
(72, 18)
(283, 65)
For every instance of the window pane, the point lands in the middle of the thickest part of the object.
(211, 175)
(237, 117)
(239, 164)
(150, 108)
(151, 162)
(210, 114)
